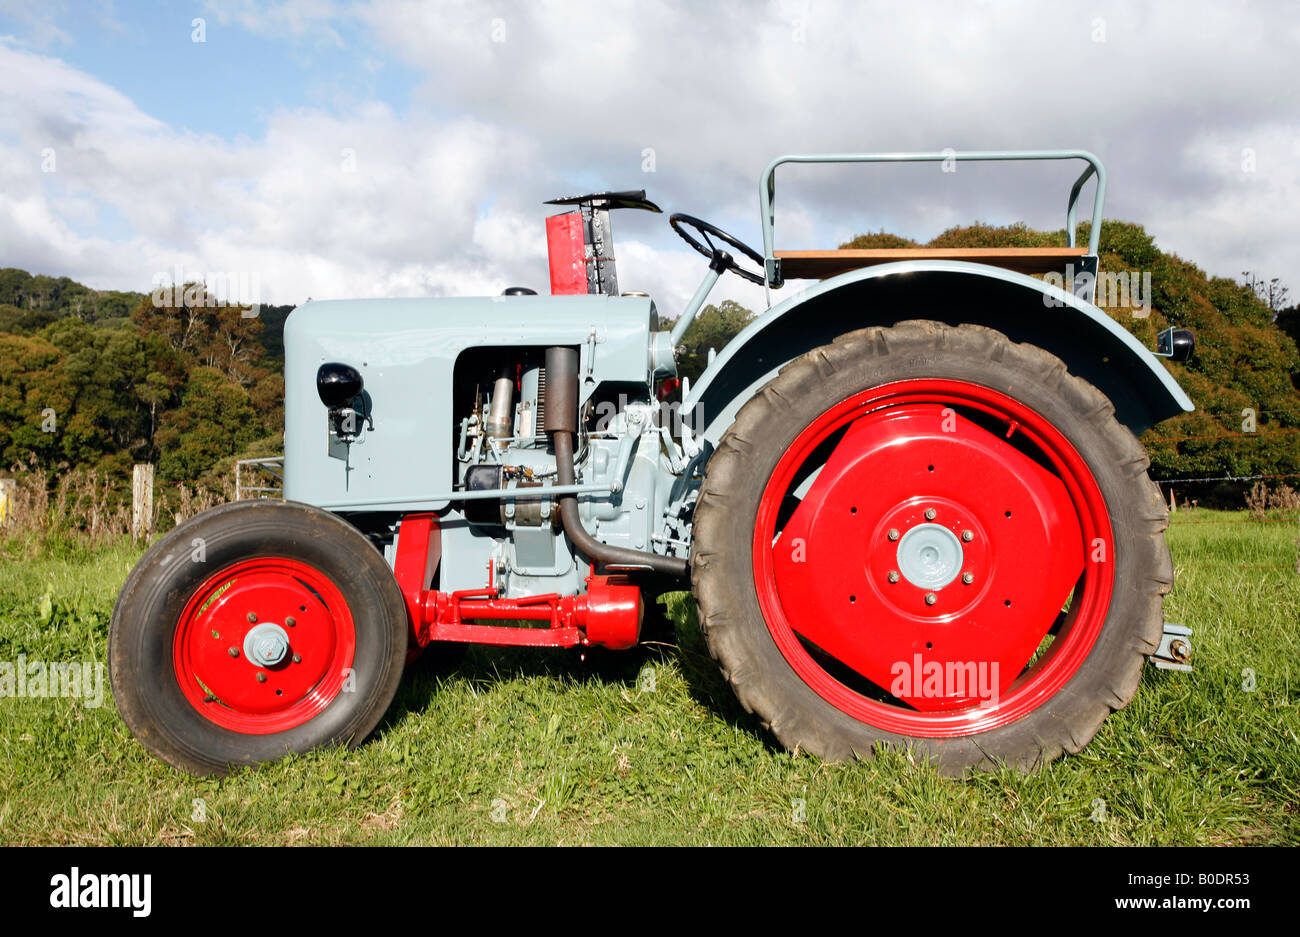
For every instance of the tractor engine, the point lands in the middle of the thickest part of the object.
(515, 416)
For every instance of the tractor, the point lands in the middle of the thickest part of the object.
(910, 500)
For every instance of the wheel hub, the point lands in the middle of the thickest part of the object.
(929, 556)
(266, 645)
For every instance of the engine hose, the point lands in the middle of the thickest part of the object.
(589, 545)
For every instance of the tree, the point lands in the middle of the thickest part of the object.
(1272, 291)
(192, 323)
(1288, 320)
(712, 328)
(32, 390)
(215, 419)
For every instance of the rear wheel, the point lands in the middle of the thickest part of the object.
(254, 630)
(930, 536)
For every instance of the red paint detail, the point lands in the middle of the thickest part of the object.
(836, 592)
(609, 614)
(567, 251)
(839, 597)
(667, 387)
(507, 636)
(419, 549)
(274, 589)
(612, 612)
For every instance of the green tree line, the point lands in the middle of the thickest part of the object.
(191, 386)
(101, 379)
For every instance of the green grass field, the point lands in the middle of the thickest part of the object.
(527, 747)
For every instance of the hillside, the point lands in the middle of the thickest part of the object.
(1246, 359)
(101, 379)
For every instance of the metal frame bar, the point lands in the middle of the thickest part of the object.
(483, 494)
(694, 306)
(767, 187)
(272, 465)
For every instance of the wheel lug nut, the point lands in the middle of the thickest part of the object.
(929, 514)
(967, 535)
(234, 652)
(893, 533)
(261, 677)
(252, 617)
(297, 659)
(290, 622)
(968, 578)
(893, 575)
(931, 598)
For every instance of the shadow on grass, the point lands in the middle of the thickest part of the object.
(670, 634)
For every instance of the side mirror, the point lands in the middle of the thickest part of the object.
(1175, 344)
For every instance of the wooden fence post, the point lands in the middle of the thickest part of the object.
(8, 491)
(141, 501)
(237, 467)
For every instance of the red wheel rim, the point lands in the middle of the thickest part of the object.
(903, 471)
(292, 667)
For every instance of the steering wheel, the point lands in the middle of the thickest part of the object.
(719, 259)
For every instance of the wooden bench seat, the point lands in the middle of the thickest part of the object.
(817, 265)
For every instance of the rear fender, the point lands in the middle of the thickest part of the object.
(1092, 344)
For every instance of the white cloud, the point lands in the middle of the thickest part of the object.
(443, 196)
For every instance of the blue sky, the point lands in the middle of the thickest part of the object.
(462, 117)
(227, 84)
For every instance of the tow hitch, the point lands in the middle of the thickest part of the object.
(1175, 651)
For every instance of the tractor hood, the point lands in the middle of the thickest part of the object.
(405, 351)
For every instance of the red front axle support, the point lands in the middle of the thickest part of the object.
(609, 614)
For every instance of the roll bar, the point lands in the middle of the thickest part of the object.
(767, 187)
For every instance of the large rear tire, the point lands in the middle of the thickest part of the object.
(931, 537)
(254, 630)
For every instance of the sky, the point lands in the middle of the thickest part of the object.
(394, 148)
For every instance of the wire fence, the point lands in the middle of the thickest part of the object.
(1281, 506)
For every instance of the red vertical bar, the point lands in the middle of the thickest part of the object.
(568, 254)
(419, 548)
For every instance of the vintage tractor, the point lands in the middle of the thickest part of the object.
(910, 501)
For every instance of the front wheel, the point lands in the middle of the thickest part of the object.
(933, 537)
(254, 630)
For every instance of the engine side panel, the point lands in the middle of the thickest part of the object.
(406, 350)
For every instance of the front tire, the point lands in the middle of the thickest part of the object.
(254, 630)
(921, 502)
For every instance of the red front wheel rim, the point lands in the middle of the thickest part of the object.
(264, 646)
(933, 558)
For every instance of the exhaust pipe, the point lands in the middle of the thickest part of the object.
(500, 423)
(561, 424)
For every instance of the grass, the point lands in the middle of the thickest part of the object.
(649, 747)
